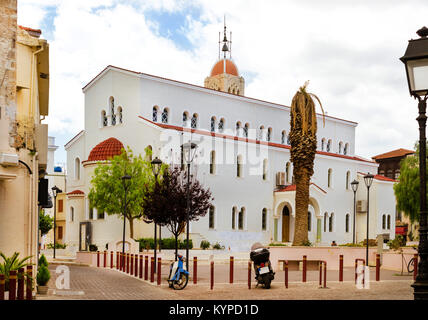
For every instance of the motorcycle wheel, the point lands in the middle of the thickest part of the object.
(181, 283)
(266, 281)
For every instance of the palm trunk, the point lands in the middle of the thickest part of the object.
(302, 178)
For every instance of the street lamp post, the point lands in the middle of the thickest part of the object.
(156, 166)
(55, 191)
(354, 185)
(368, 179)
(416, 63)
(189, 151)
(125, 187)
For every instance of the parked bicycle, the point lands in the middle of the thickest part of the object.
(178, 276)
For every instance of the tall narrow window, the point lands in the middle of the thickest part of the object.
(246, 128)
(383, 221)
(60, 205)
(309, 221)
(185, 119)
(328, 145)
(155, 114)
(264, 215)
(113, 116)
(120, 114)
(330, 223)
(261, 132)
(330, 173)
(213, 124)
(104, 118)
(194, 122)
(348, 177)
(165, 116)
(239, 166)
(211, 217)
(265, 165)
(325, 221)
(221, 125)
(347, 223)
(287, 172)
(340, 147)
(346, 149)
(283, 137)
(269, 134)
(234, 218)
(71, 214)
(100, 215)
(77, 169)
(238, 129)
(212, 162)
(388, 225)
(322, 144)
(241, 217)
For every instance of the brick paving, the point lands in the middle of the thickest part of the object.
(90, 283)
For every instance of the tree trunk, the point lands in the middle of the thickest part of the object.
(302, 178)
(131, 227)
(176, 246)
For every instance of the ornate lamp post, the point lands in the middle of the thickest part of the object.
(156, 166)
(368, 179)
(416, 62)
(125, 178)
(55, 191)
(189, 151)
(354, 186)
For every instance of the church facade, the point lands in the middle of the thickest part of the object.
(243, 157)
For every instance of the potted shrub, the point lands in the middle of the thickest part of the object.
(205, 244)
(12, 263)
(43, 276)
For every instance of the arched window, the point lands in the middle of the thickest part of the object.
(261, 132)
(212, 162)
(77, 169)
(383, 221)
(288, 140)
(238, 128)
(265, 169)
(71, 214)
(194, 123)
(221, 125)
(340, 147)
(104, 118)
(269, 134)
(120, 114)
(348, 177)
(283, 137)
(330, 223)
(212, 124)
(185, 119)
(234, 218)
(155, 114)
(287, 172)
(113, 116)
(389, 222)
(211, 218)
(325, 221)
(264, 216)
(239, 166)
(165, 115)
(346, 149)
(329, 179)
(347, 222)
(328, 145)
(241, 217)
(245, 131)
(309, 221)
(322, 144)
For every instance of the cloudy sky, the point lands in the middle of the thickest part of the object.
(349, 50)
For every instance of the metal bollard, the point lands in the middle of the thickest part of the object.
(341, 268)
(20, 294)
(159, 271)
(304, 269)
(12, 285)
(98, 259)
(152, 269)
(195, 270)
(141, 266)
(105, 258)
(249, 275)
(212, 275)
(415, 271)
(377, 267)
(231, 270)
(286, 273)
(29, 288)
(2, 284)
(146, 267)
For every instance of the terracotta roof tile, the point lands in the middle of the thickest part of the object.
(394, 153)
(75, 192)
(106, 150)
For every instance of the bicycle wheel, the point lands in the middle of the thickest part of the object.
(411, 265)
(181, 283)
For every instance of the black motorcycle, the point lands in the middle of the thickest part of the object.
(262, 266)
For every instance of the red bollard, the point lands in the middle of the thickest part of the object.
(98, 259)
(325, 274)
(117, 260)
(136, 265)
(377, 267)
(2, 284)
(320, 281)
(105, 258)
(249, 275)
(12, 285)
(131, 268)
(111, 259)
(231, 270)
(141, 266)
(341, 268)
(195, 270)
(158, 270)
(152, 269)
(146, 267)
(415, 263)
(20, 295)
(127, 263)
(212, 275)
(29, 291)
(304, 269)
(286, 273)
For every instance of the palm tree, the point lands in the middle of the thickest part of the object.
(303, 141)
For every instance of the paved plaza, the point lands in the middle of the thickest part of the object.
(91, 283)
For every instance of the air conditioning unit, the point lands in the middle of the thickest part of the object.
(280, 179)
(361, 206)
(8, 159)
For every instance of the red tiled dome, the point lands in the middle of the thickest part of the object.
(219, 68)
(106, 150)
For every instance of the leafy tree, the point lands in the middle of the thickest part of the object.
(166, 204)
(45, 222)
(303, 141)
(107, 193)
(407, 189)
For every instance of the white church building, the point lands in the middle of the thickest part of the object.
(243, 157)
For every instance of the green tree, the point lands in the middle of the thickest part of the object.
(45, 222)
(107, 193)
(407, 189)
(303, 141)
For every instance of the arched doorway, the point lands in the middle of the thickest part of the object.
(285, 224)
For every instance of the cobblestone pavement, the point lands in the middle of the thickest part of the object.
(92, 283)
